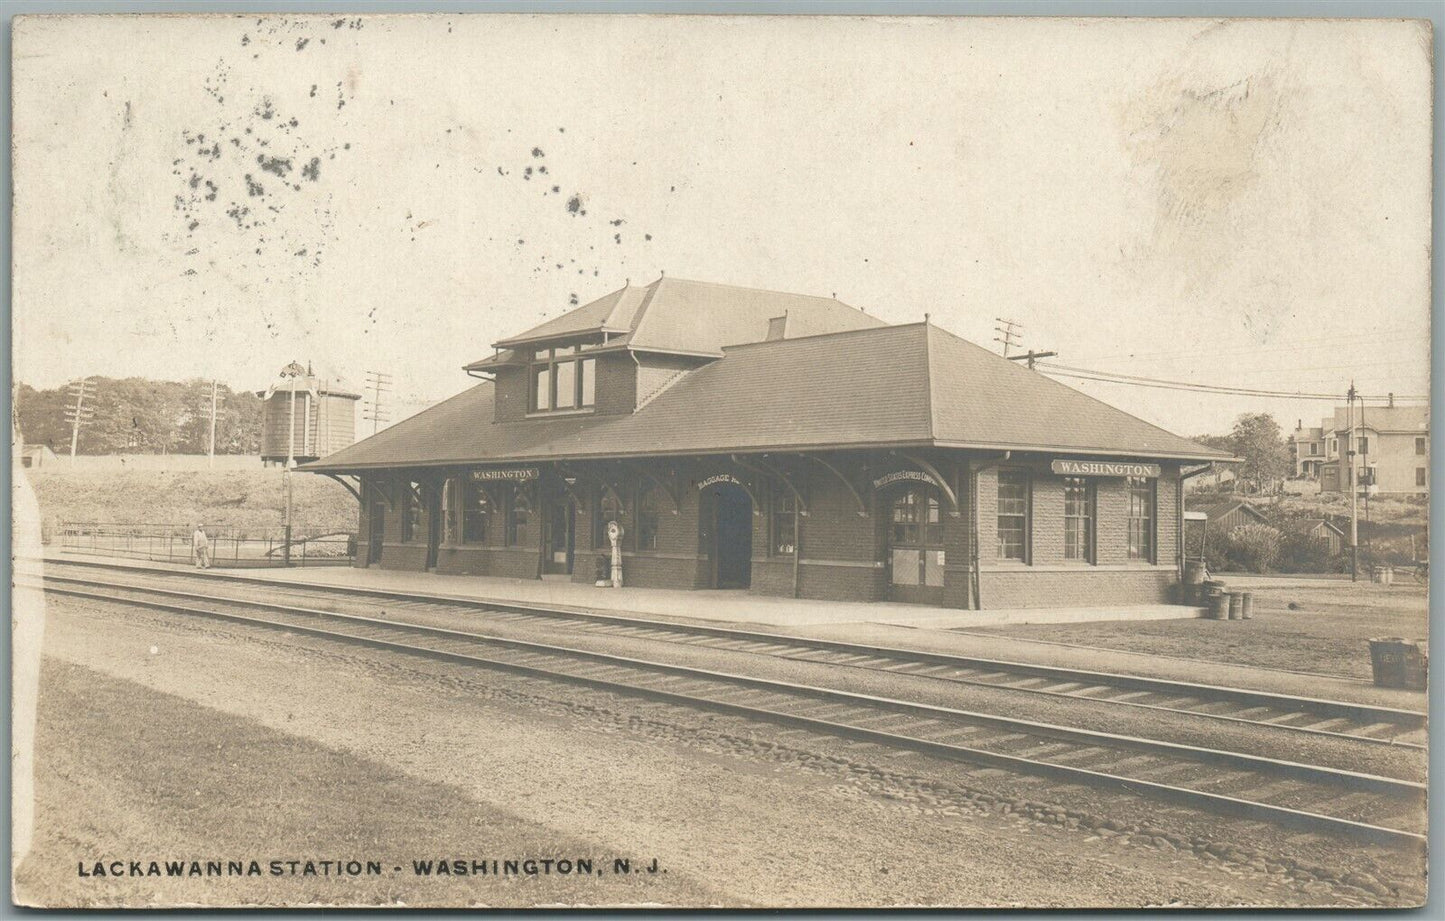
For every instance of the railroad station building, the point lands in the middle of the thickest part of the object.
(781, 444)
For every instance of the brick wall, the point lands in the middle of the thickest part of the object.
(842, 554)
(1075, 587)
(616, 384)
(510, 395)
(1048, 578)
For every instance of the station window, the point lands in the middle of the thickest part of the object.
(1364, 444)
(1419, 476)
(1141, 518)
(519, 521)
(476, 512)
(647, 513)
(608, 509)
(784, 537)
(1420, 446)
(411, 512)
(1013, 514)
(562, 380)
(1078, 519)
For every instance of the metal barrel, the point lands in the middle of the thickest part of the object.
(1236, 605)
(1219, 605)
(1246, 610)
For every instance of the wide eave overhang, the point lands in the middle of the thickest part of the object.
(523, 458)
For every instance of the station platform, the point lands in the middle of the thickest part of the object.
(730, 606)
(885, 625)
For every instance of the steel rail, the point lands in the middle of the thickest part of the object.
(1352, 780)
(1363, 713)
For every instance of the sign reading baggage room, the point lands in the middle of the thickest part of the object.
(1103, 468)
(719, 478)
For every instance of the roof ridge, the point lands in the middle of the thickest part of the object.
(621, 295)
(640, 314)
(723, 284)
(831, 332)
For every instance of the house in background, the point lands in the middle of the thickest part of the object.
(1392, 450)
(1308, 447)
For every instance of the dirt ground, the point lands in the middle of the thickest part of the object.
(158, 740)
(1320, 626)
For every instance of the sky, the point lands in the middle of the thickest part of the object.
(1235, 203)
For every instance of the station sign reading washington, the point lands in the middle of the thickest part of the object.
(1103, 468)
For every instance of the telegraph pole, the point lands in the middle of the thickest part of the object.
(78, 414)
(290, 462)
(1008, 333)
(211, 457)
(1354, 493)
(1030, 356)
(379, 384)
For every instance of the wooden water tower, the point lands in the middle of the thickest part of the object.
(305, 417)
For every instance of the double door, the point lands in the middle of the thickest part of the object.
(915, 547)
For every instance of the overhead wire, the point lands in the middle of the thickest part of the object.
(1110, 377)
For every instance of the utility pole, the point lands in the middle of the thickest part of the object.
(286, 474)
(379, 384)
(1354, 493)
(1030, 356)
(78, 414)
(1008, 333)
(211, 456)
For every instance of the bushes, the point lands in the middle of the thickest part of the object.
(1299, 552)
(1253, 547)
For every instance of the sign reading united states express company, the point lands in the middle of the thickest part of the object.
(1103, 468)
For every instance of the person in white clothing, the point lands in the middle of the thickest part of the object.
(201, 547)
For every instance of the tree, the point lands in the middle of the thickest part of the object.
(138, 416)
(1257, 439)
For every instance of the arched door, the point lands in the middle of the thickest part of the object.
(732, 536)
(915, 546)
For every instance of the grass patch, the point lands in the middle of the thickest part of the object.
(124, 772)
(245, 499)
(1327, 631)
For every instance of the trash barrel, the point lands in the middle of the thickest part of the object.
(1388, 658)
(1246, 610)
(1236, 605)
(1384, 575)
(1218, 605)
(1417, 666)
(1194, 590)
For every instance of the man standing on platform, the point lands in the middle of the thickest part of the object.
(201, 547)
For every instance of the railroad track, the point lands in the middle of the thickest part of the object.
(1372, 807)
(1372, 725)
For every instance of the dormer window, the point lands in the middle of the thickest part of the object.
(562, 380)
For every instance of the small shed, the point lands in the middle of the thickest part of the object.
(1225, 515)
(1322, 529)
(35, 456)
